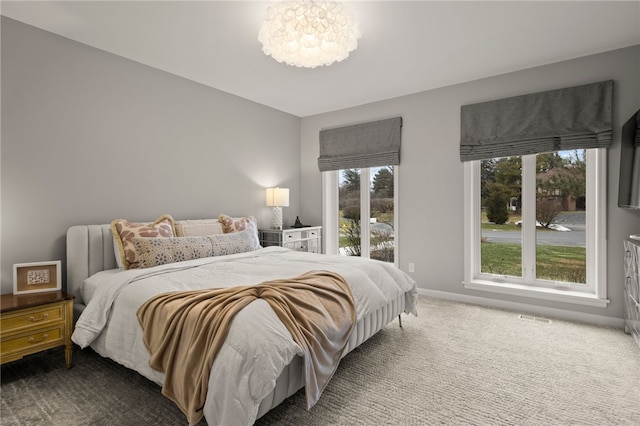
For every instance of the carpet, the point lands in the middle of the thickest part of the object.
(454, 364)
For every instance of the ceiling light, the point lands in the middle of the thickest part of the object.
(308, 34)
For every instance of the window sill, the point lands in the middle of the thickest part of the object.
(555, 295)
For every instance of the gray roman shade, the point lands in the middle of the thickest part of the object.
(564, 119)
(362, 145)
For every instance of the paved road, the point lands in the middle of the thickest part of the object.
(575, 237)
(572, 220)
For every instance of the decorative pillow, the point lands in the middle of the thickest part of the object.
(198, 227)
(248, 223)
(234, 242)
(124, 231)
(159, 251)
(230, 224)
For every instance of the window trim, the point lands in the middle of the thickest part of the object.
(330, 204)
(595, 240)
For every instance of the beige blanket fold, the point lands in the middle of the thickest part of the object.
(183, 331)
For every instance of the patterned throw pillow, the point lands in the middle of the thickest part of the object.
(124, 231)
(249, 223)
(159, 251)
(230, 224)
(234, 242)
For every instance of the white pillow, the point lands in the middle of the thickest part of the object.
(197, 227)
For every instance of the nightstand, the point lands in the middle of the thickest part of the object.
(32, 323)
(307, 239)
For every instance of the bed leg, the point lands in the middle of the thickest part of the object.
(400, 321)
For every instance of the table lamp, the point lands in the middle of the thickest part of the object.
(277, 198)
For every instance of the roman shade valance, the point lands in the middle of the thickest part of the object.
(564, 119)
(370, 144)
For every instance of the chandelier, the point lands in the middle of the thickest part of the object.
(306, 33)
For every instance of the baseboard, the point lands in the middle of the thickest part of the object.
(523, 307)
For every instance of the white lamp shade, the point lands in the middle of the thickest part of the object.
(277, 197)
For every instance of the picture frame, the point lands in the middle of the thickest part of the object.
(37, 277)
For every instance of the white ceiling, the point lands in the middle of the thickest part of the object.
(406, 47)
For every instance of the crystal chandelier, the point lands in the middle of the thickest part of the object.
(307, 33)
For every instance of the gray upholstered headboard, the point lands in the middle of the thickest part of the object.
(89, 250)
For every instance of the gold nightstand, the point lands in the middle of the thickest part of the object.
(32, 323)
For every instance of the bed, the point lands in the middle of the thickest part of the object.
(107, 298)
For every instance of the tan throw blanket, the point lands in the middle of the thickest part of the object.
(183, 331)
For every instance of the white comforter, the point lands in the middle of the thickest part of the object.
(258, 346)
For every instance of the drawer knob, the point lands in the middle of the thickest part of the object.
(34, 340)
(42, 318)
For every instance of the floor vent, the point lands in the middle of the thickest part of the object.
(536, 319)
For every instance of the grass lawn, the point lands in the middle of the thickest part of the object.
(509, 226)
(556, 263)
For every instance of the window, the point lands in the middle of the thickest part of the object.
(359, 188)
(535, 226)
(361, 220)
(535, 177)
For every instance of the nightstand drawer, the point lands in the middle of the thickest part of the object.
(292, 236)
(33, 317)
(297, 245)
(44, 337)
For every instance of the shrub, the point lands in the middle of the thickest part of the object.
(381, 205)
(497, 204)
(351, 212)
(547, 209)
(351, 231)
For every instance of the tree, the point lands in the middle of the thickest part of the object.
(487, 174)
(506, 172)
(561, 177)
(549, 160)
(383, 183)
(497, 203)
(350, 190)
(351, 181)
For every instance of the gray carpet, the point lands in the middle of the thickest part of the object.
(455, 364)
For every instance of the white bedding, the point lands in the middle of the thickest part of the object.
(258, 346)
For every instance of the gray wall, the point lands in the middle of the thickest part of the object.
(431, 198)
(88, 137)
